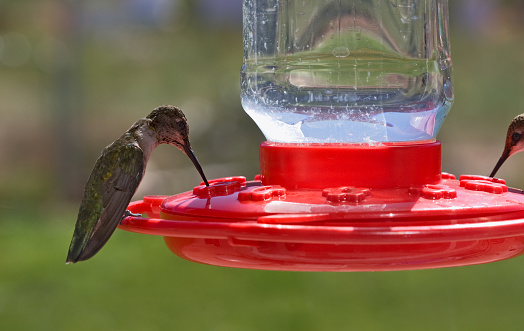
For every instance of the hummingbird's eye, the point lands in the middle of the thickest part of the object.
(516, 136)
(182, 126)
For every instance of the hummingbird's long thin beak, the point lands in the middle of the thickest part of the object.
(189, 152)
(502, 159)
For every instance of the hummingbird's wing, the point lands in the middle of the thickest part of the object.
(112, 184)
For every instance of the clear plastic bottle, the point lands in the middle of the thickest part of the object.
(346, 71)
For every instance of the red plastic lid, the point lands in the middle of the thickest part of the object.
(251, 224)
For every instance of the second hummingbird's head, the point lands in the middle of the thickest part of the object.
(170, 125)
(514, 137)
(514, 141)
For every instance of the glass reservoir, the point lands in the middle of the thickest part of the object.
(346, 71)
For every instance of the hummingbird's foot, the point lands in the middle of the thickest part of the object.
(128, 213)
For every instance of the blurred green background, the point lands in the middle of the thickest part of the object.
(74, 75)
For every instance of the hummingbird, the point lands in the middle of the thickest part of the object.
(514, 141)
(117, 174)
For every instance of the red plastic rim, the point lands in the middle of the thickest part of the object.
(494, 227)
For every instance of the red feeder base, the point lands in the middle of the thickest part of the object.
(340, 208)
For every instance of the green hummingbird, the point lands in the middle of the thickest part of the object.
(514, 141)
(117, 174)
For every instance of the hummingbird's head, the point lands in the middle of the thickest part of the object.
(515, 137)
(170, 125)
(514, 141)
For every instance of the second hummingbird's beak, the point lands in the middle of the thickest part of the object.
(503, 158)
(189, 152)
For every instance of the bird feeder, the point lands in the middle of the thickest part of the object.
(350, 95)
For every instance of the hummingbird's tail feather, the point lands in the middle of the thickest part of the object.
(71, 258)
(93, 241)
(95, 244)
(81, 250)
(78, 243)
